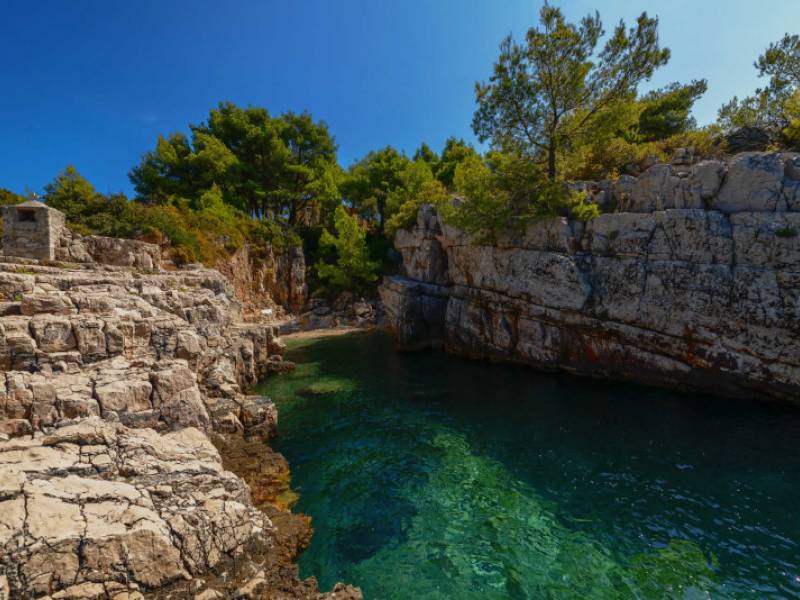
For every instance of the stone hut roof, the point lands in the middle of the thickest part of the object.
(32, 204)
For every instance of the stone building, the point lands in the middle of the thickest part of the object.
(32, 230)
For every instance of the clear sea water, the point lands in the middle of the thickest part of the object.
(429, 476)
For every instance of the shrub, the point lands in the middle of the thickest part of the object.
(610, 158)
(353, 269)
(433, 192)
(508, 198)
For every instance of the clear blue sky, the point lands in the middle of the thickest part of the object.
(92, 83)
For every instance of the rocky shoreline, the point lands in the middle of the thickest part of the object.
(133, 462)
(691, 282)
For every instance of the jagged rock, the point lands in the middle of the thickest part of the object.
(50, 303)
(682, 156)
(422, 256)
(276, 280)
(114, 375)
(252, 590)
(706, 179)
(52, 333)
(96, 323)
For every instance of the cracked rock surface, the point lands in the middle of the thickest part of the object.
(97, 502)
(112, 380)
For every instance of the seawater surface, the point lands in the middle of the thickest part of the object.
(429, 476)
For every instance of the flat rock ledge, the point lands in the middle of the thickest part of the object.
(113, 379)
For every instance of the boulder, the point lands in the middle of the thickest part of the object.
(754, 183)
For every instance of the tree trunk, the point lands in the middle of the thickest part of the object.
(381, 210)
(551, 162)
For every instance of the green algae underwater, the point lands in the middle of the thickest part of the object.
(430, 476)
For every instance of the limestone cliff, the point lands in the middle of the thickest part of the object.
(691, 283)
(274, 280)
(115, 379)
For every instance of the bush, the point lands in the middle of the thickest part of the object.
(353, 269)
(508, 198)
(610, 158)
(433, 192)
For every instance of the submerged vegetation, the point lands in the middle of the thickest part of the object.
(563, 104)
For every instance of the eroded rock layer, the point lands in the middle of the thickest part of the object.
(694, 287)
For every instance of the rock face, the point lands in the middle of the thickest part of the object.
(164, 350)
(276, 281)
(113, 379)
(694, 287)
(347, 310)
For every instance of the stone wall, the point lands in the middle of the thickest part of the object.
(693, 286)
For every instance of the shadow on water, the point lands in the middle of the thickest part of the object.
(429, 476)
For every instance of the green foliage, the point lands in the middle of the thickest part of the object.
(455, 151)
(70, 193)
(786, 232)
(281, 169)
(543, 95)
(371, 182)
(353, 268)
(504, 195)
(432, 192)
(425, 154)
(791, 111)
(667, 112)
(414, 178)
(7, 197)
(386, 188)
(775, 107)
(611, 156)
(205, 229)
(781, 62)
(485, 209)
(757, 110)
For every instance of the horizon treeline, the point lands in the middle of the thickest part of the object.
(557, 106)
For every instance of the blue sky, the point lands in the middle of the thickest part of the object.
(92, 83)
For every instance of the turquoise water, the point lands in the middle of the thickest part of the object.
(428, 476)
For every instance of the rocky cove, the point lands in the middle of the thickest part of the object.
(691, 282)
(133, 461)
